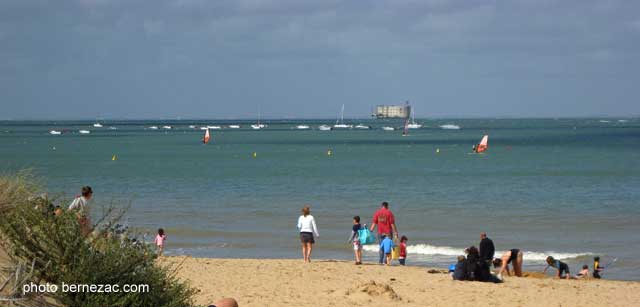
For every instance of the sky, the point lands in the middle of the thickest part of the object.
(222, 59)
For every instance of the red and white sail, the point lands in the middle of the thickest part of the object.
(206, 137)
(484, 144)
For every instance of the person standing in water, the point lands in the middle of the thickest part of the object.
(80, 206)
(307, 227)
(384, 219)
(513, 257)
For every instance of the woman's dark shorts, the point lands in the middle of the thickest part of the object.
(307, 237)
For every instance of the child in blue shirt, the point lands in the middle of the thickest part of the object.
(386, 246)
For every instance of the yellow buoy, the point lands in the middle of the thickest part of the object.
(255, 154)
(437, 150)
(329, 152)
(114, 158)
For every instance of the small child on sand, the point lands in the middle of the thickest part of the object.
(584, 273)
(560, 266)
(386, 246)
(355, 239)
(403, 250)
(160, 238)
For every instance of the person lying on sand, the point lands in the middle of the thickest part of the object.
(513, 257)
(560, 266)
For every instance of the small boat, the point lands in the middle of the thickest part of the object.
(387, 128)
(303, 127)
(450, 127)
(257, 126)
(206, 137)
(167, 127)
(84, 131)
(97, 125)
(324, 128)
(413, 124)
(203, 128)
(234, 126)
(340, 121)
(55, 132)
(214, 127)
(483, 145)
(192, 127)
(363, 127)
(153, 127)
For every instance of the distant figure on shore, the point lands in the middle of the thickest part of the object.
(403, 250)
(513, 257)
(487, 249)
(562, 268)
(80, 206)
(160, 238)
(355, 239)
(386, 246)
(308, 228)
(225, 302)
(384, 219)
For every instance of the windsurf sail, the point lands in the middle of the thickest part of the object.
(206, 137)
(405, 132)
(484, 144)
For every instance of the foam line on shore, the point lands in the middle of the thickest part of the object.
(426, 249)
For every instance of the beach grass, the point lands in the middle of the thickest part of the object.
(57, 253)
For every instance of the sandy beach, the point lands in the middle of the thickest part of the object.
(289, 282)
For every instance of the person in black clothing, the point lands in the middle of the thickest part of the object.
(487, 250)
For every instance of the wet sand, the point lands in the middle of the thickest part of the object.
(286, 282)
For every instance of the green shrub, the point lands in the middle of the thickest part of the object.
(31, 232)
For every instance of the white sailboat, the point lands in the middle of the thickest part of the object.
(55, 132)
(258, 125)
(153, 127)
(303, 127)
(167, 127)
(363, 127)
(97, 125)
(214, 127)
(387, 128)
(412, 124)
(324, 128)
(340, 122)
(84, 131)
(234, 126)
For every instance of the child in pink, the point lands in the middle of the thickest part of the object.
(403, 250)
(160, 238)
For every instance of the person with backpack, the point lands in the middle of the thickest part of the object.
(385, 221)
(355, 239)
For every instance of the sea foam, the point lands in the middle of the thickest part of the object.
(426, 249)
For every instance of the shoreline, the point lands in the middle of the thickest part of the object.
(326, 282)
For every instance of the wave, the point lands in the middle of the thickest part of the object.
(426, 249)
(450, 127)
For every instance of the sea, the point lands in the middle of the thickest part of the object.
(565, 187)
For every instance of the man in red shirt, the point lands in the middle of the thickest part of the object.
(386, 223)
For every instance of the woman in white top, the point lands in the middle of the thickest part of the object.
(307, 227)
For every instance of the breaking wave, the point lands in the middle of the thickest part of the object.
(426, 249)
